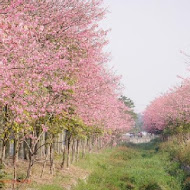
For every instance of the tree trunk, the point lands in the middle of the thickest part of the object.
(51, 158)
(44, 165)
(68, 152)
(100, 143)
(36, 150)
(15, 158)
(77, 150)
(31, 159)
(83, 148)
(21, 151)
(25, 151)
(46, 144)
(31, 162)
(90, 144)
(7, 149)
(52, 151)
(73, 151)
(3, 153)
(64, 149)
(63, 156)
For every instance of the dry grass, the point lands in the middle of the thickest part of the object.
(65, 178)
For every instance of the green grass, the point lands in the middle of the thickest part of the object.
(50, 187)
(138, 167)
(54, 186)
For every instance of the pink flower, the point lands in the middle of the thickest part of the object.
(44, 128)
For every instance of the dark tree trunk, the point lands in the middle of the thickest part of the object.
(68, 152)
(25, 151)
(77, 149)
(15, 158)
(73, 150)
(83, 148)
(3, 153)
(31, 159)
(31, 162)
(52, 158)
(64, 155)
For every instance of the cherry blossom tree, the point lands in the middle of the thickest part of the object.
(53, 74)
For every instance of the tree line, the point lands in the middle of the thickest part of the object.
(57, 94)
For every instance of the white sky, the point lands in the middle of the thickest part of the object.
(145, 42)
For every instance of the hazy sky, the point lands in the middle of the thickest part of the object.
(145, 42)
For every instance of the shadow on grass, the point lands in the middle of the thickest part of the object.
(152, 145)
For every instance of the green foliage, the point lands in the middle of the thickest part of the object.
(177, 149)
(130, 104)
(127, 101)
(177, 128)
(187, 184)
(79, 129)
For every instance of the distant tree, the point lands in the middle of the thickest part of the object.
(127, 101)
(130, 104)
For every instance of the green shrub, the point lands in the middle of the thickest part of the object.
(151, 186)
(177, 151)
(187, 184)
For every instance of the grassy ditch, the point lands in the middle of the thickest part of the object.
(138, 167)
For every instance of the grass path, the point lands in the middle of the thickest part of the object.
(138, 167)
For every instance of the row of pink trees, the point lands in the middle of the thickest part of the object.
(53, 75)
(170, 113)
